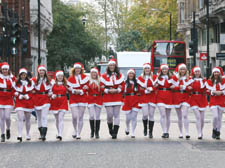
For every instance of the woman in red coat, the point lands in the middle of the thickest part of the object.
(59, 104)
(78, 97)
(215, 86)
(6, 99)
(147, 103)
(181, 97)
(23, 103)
(164, 98)
(94, 101)
(42, 100)
(198, 101)
(112, 84)
(131, 101)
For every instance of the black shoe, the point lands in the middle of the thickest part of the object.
(92, 126)
(74, 136)
(200, 138)
(188, 137)
(110, 126)
(3, 138)
(78, 138)
(151, 125)
(132, 136)
(59, 138)
(214, 134)
(180, 137)
(127, 132)
(145, 124)
(97, 128)
(115, 131)
(19, 139)
(44, 133)
(8, 135)
(40, 131)
(164, 136)
(217, 135)
(167, 135)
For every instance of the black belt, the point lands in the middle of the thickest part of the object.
(164, 89)
(95, 95)
(5, 90)
(197, 93)
(59, 95)
(42, 93)
(130, 94)
(181, 91)
(23, 93)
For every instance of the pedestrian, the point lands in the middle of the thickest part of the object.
(164, 98)
(23, 102)
(180, 98)
(6, 99)
(94, 102)
(131, 102)
(78, 97)
(215, 87)
(147, 82)
(198, 101)
(58, 101)
(112, 83)
(42, 100)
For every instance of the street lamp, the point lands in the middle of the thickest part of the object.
(39, 32)
(155, 9)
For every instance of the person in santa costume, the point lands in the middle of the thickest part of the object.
(198, 101)
(164, 98)
(23, 102)
(131, 102)
(215, 87)
(180, 97)
(58, 101)
(112, 84)
(41, 100)
(147, 102)
(78, 97)
(6, 100)
(94, 101)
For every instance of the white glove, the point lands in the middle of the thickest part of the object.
(20, 97)
(73, 91)
(81, 92)
(119, 90)
(16, 93)
(26, 96)
(53, 96)
(106, 91)
(149, 89)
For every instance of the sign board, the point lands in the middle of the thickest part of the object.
(203, 56)
(220, 56)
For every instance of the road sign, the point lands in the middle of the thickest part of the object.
(203, 56)
(220, 56)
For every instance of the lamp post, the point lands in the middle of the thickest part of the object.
(155, 9)
(207, 23)
(39, 32)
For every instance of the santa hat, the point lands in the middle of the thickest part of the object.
(78, 65)
(131, 71)
(41, 67)
(147, 65)
(112, 61)
(23, 70)
(218, 69)
(95, 70)
(196, 68)
(4, 65)
(162, 66)
(182, 65)
(59, 73)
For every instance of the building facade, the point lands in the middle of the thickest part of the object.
(216, 30)
(46, 28)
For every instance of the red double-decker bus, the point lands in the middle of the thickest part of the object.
(167, 52)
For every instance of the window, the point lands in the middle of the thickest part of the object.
(204, 34)
(182, 12)
(201, 4)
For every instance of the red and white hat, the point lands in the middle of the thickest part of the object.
(147, 65)
(131, 71)
(78, 65)
(4, 65)
(162, 66)
(182, 65)
(59, 73)
(95, 70)
(23, 70)
(41, 67)
(194, 69)
(218, 69)
(112, 61)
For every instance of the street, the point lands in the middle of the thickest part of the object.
(105, 152)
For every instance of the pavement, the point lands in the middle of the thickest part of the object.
(123, 152)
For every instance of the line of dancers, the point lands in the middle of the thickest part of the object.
(180, 90)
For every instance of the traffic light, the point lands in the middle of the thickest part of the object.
(14, 36)
(24, 41)
(1, 45)
(191, 48)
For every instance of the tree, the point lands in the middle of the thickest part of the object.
(69, 42)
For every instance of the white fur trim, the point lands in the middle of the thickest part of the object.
(199, 108)
(111, 62)
(42, 68)
(219, 107)
(78, 104)
(57, 111)
(216, 70)
(113, 103)
(129, 71)
(165, 105)
(24, 109)
(94, 104)
(23, 71)
(41, 107)
(164, 66)
(59, 73)
(182, 66)
(6, 106)
(146, 66)
(94, 70)
(5, 67)
(77, 66)
(197, 69)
